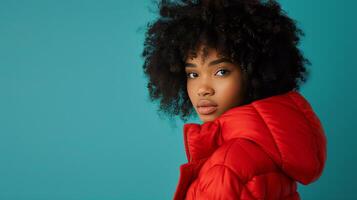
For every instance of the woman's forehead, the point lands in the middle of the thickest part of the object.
(203, 54)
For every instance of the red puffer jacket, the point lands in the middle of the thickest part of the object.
(254, 151)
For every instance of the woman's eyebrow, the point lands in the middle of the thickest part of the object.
(215, 62)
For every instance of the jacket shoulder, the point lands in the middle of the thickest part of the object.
(221, 182)
(240, 169)
(244, 157)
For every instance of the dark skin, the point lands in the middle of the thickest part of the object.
(215, 79)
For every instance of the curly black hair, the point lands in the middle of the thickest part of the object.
(257, 35)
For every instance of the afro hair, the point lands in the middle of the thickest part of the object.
(257, 35)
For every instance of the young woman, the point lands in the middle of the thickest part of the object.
(237, 65)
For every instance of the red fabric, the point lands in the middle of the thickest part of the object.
(255, 151)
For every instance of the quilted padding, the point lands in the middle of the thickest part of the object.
(255, 151)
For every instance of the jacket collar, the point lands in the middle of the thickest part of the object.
(285, 126)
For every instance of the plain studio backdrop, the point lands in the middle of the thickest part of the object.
(76, 121)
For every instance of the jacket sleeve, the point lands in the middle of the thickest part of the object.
(219, 183)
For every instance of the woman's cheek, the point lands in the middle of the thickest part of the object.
(229, 92)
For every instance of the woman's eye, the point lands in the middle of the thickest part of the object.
(226, 71)
(192, 74)
(188, 75)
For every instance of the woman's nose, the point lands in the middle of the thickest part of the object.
(203, 91)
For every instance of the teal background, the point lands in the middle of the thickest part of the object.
(76, 121)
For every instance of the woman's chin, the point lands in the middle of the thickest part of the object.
(206, 118)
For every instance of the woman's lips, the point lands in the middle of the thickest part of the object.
(205, 110)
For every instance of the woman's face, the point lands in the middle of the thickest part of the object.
(214, 84)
